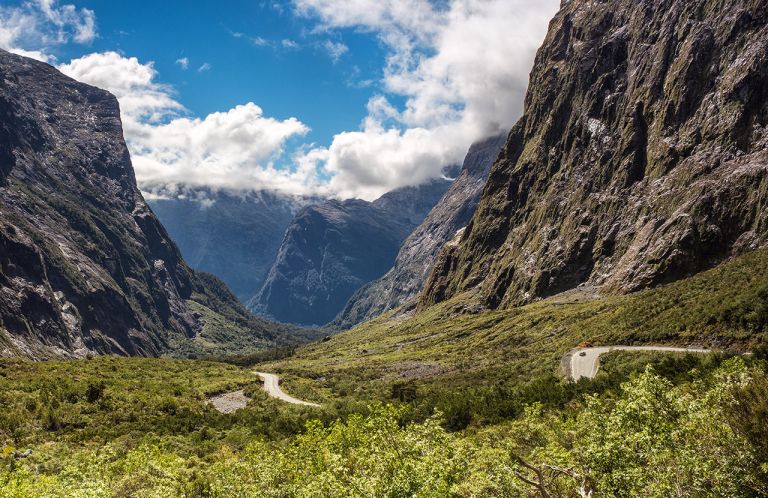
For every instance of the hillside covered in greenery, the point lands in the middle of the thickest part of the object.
(652, 436)
(443, 422)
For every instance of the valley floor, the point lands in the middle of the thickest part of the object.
(444, 403)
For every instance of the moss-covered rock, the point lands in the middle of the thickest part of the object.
(641, 157)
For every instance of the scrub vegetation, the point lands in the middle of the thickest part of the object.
(445, 403)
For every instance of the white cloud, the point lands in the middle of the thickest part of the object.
(33, 54)
(35, 27)
(413, 19)
(79, 25)
(235, 149)
(256, 40)
(259, 41)
(204, 67)
(183, 62)
(462, 68)
(133, 83)
(455, 72)
(335, 49)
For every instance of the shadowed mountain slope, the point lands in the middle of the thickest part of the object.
(85, 266)
(333, 248)
(417, 255)
(232, 235)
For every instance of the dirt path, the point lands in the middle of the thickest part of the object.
(272, 386)
(229, 402)
(584, 362)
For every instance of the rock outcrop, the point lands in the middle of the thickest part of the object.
(333, 248)
(641, 157)
(233, 235)
(416, 257)
(85, 266)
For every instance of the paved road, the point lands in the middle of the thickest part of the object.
(272, 386)
(587, 365)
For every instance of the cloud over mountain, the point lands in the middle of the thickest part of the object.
(460, 66)
(233, 149)
(454, 72)
(44, 24)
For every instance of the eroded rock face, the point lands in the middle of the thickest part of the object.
(333, 248)
(641, 158)
(417, 255)
(85, 266)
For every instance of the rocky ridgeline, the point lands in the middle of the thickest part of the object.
(333, 248)
(417, 254)
(234, 235)
(85, 266)
(641, 157)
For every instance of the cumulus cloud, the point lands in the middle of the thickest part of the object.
(34, 27)
(455, 72)
(141, 99)
(235, 149)
(462, 67)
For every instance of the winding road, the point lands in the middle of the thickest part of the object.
(235, 400)
(272, 386)
(586, 365)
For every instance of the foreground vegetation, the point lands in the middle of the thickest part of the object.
(449, 402)
(701, 437)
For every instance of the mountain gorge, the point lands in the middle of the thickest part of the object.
(333, 248)
(85, 266)
(580, 310)
(417, 254)
(233, 235)
(641, 157)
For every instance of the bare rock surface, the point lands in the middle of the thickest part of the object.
(333, 248)
(85, 266)
(641, 157)
(234, 235)
(229, 402)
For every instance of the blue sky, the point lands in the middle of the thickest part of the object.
(342, 98)
(303, 81)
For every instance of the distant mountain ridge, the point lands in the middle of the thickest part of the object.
(85, 266)
(234, 235)
(332, 248)
(418, 252)
(641, 156)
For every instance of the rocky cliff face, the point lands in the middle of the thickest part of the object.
(417, 255)
(84, 264)
(642, 155)
(333, 248)
(235, 236)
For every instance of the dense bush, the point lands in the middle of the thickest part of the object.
(702, 437)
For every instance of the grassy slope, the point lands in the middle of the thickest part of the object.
(229, 328)
(108, 396)
(58, 405)
(477, 370)
(725, 308)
